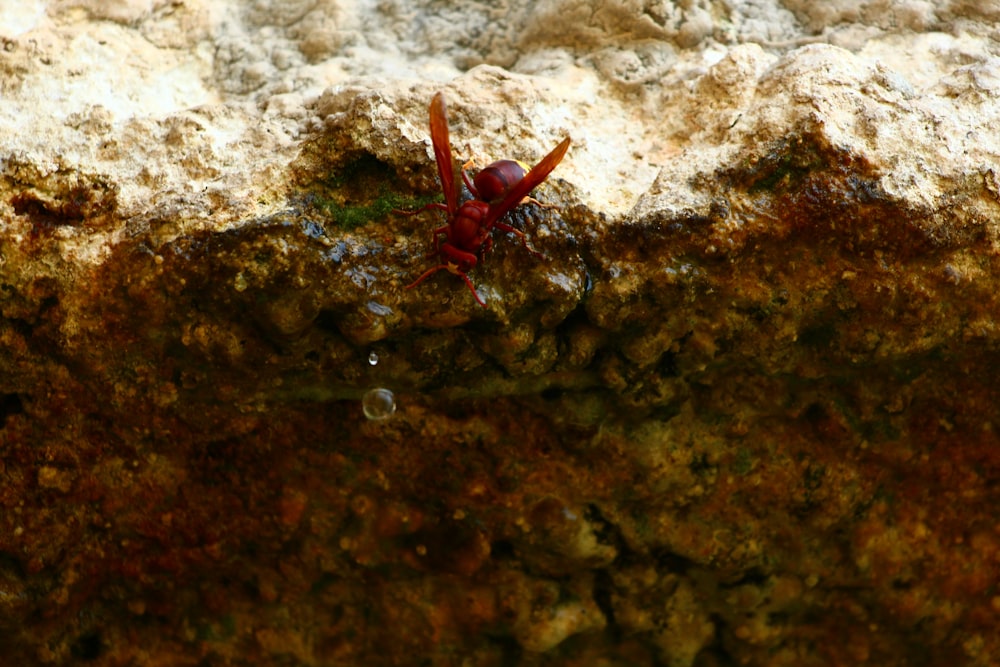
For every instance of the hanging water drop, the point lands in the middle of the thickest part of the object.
(373, 358)
(378, 403)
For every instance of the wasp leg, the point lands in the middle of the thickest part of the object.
(519, 234)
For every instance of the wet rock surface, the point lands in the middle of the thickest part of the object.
(741, 410)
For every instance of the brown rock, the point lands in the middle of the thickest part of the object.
(742, 409)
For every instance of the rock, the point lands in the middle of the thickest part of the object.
(738, 408)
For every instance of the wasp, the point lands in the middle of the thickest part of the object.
(496, 190)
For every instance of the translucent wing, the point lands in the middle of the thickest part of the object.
(442, 152)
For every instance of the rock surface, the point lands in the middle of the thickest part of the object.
(741, 411)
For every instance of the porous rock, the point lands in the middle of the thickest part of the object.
(741, 409)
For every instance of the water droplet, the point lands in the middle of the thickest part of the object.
(240, 282)
(373, 358)
(379, 403)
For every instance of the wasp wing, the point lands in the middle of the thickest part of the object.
(442, 152)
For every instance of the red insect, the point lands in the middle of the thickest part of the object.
(495, 190)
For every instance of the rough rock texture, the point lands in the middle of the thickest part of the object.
(742, 411)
